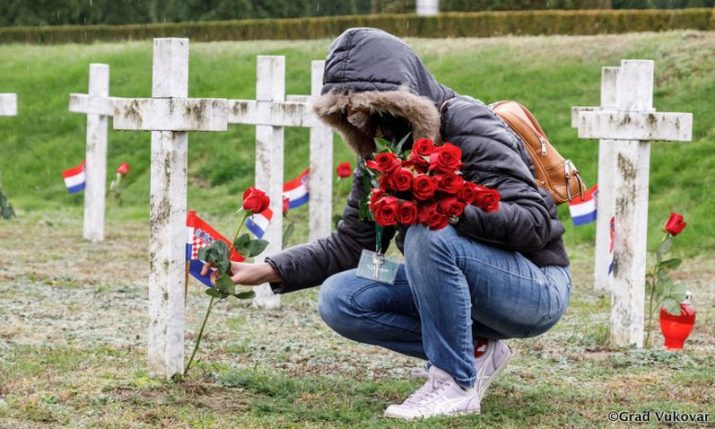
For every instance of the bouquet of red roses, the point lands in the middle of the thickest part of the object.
(424, 185)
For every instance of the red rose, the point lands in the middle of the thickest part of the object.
(375, 195)
(451, 207)
(401, 180)
(344, 170)
(423, 147)
(487, 199)
(675, 224)
(423, 186)
(407, 213)
(286, 205)
(385, 162)
(255, 200)
(449, 183)
(447, 159)
(431, 217)
(386, 211)
(467, 193)
(421, 163)
(123, 169)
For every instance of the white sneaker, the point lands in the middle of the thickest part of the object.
(490, 362)
(439, 396)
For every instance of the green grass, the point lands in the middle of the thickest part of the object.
(548, 74)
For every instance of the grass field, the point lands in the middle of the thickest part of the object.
(73, 315)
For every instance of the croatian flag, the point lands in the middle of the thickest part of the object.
(200, 235)
(583, 209)
(258, 223)
(297, 190)
(74, 178)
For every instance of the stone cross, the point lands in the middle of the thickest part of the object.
(628, 127)
(270, 113)
(169, 114)
(8, 105)
(606, 161)
(98, 106)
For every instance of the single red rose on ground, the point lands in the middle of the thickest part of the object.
(675, 224)
(446, 159)
(401, 180)
(386, 210)
(286, 204)
(449, 183)
(407, 214)
(384, 162)
(255, 200)
(344, 170)
(487, 199)
(423, 186)
(423, 147)
(123, 169)
(451, 207)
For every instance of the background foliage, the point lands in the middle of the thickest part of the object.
(89, 12)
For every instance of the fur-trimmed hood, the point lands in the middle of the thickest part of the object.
(369, 72)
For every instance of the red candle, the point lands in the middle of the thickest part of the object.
(676, 329)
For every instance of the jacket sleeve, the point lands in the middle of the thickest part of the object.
(310, 264)
(494, 156)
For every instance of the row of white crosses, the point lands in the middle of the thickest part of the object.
(170, 115)
(626, 123)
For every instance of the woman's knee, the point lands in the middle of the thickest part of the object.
(335, 303)
(421, 241)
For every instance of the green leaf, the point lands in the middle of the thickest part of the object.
(225, 284)
(672, 306)
(665, 245)
(214, 293)
(245, 295)
(242, 244)
(382, 145)
(670, 264)
(223, 266)
(288, 232)
(255, 247)
(662, 286)
(398, 147)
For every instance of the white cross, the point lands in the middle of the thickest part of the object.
(8, 105)
(169, 115)
(270, 113)
(98, 106)
(628, 127)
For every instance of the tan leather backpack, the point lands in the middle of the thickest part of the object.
(553, 172)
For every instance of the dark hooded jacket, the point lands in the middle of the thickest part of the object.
(372, 71)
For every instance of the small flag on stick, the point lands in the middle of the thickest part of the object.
(200, 235)
(583, 209)
(74, 178)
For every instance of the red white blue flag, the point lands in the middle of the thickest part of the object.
(583, 209)
(201, 234)
(258, 223)
(297, 190)
(74, 178)
(612, 235)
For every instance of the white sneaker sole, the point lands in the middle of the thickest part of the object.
(452, 414)
(497, 374)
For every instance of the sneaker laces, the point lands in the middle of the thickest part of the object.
(424, 393)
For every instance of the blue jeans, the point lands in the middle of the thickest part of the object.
(449, 290)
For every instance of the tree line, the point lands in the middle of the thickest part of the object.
(87, 12)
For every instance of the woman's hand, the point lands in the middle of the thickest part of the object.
(246, 274)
